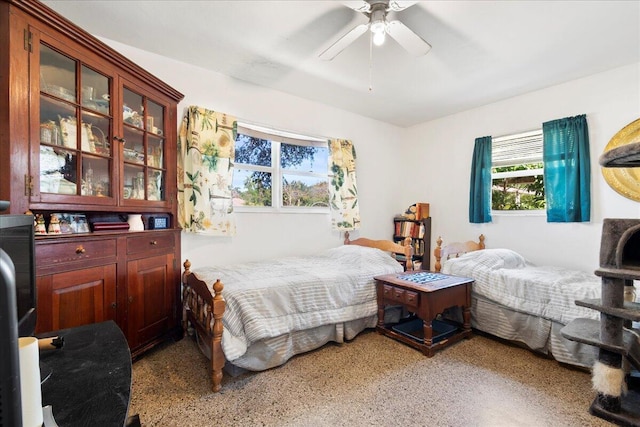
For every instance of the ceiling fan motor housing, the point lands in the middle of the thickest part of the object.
(377, 18)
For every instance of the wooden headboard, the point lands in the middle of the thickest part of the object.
(454, 250)
(386, 245)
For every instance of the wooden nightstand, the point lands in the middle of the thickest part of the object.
(425, 294)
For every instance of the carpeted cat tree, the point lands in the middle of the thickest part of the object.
(615, 374)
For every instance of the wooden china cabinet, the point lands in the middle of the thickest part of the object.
(90, 137)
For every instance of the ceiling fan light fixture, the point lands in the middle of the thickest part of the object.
(378, 38)
(378, 23)
(377, 27)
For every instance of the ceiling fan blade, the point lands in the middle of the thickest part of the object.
(409, 40)
(359, 6)
(343, 42)
(398, 5)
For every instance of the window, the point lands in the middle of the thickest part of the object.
(517, 180)
(275, 169)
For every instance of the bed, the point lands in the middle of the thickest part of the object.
(518, 301)
(258, 315)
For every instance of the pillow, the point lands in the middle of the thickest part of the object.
(497, 258)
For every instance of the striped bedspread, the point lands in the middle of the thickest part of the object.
(271, 298)
(505, 277)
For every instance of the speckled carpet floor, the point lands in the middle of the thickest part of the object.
(372, 380)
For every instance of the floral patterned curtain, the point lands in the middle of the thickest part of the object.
(343, 191)
(206, 150)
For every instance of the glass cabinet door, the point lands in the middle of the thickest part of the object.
(76, 157)
(143, 153)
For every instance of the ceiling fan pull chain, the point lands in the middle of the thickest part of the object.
(370, 61)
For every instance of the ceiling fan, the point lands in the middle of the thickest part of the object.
(376, 11)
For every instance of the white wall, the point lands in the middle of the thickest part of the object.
(264, 235)
(429, 162)
(441, 160)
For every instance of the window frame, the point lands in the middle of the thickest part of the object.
(277, 138)
(513, 161)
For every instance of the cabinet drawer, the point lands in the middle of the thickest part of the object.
(147, 242)
(56, 253)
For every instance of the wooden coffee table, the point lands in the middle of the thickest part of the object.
(425, 294)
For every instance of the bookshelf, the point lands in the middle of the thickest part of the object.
(420, 232)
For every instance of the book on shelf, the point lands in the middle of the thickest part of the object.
(409, 228)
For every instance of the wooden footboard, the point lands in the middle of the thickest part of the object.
(204, 312)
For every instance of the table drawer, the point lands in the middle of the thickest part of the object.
(56, 253)
(402, 296)
(156, 242)
(391, 293)
(411, 298)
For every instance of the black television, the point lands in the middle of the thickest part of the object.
(17, 241)
(17, 307)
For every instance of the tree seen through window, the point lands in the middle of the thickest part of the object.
(302, 168)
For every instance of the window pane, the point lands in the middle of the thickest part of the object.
(253, 151)
(304, 158)
(305, 191)
(155, 118)
(58, 173)
(95, 176)
(251, 188)
(517, 149)
(133, 109)
(518, 193)
(517, 177)
(95, 90)
(57, 74)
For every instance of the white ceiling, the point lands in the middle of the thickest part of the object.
(483, 51)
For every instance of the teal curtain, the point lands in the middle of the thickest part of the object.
(480, 188)
(567, 169)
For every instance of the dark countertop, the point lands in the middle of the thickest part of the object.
(90, 382)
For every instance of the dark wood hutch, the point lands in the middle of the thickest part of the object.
(85, 130)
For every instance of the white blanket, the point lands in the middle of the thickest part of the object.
(271, 298)
(505, 277)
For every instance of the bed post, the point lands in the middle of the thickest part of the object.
(185, 289)
(437, 253)
(217, 356)
(408, 253)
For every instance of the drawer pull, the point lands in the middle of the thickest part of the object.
(153, 242)
(80, 250)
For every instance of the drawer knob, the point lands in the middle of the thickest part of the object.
(153, 242)
(80, 250)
